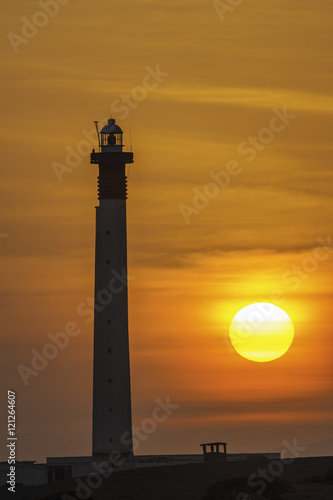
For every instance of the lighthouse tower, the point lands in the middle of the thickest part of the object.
(112, 422)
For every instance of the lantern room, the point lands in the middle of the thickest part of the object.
(110, 137)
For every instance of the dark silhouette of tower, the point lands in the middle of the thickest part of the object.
(112, 421)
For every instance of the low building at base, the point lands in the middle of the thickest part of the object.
(30, 473)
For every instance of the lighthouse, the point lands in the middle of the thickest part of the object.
(112, 421)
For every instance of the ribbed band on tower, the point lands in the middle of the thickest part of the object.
(112, 183)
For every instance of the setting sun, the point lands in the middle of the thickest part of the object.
(261, 332)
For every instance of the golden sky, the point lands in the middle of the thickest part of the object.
(245, 99)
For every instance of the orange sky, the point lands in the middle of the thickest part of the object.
(254, 240)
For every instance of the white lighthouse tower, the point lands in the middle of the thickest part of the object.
(112, 421)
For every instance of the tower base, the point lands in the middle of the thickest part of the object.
(115, 459)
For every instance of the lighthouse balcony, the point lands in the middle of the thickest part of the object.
(114, 158)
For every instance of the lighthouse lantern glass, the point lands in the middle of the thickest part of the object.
(111, 137)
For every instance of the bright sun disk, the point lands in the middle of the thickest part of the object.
(261, 332)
